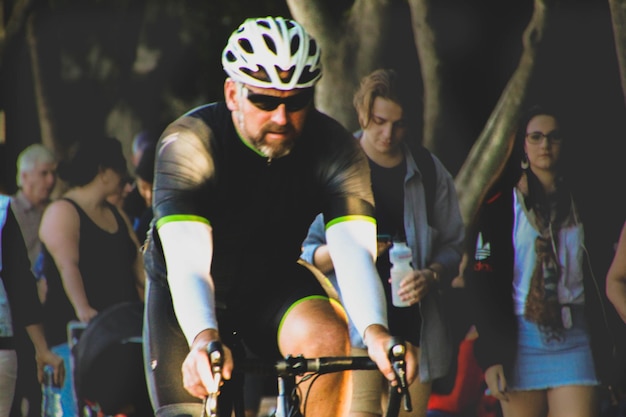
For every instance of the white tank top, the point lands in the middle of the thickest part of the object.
(570, 252)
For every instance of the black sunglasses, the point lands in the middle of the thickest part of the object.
(269, 103)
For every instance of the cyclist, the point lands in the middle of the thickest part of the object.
(237, 184)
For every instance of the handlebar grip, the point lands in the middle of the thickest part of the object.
(216, 356)
(396, 352)
(215, 351)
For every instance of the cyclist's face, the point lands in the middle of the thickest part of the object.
(270, 120)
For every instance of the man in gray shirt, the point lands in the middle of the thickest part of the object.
(36, 178)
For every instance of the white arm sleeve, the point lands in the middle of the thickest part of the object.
(352, 247)
(188, 250)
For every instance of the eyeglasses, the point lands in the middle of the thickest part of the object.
(536, 138)
(269, 103)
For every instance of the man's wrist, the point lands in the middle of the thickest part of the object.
(374, 330)
(436, 276)
(204, 337)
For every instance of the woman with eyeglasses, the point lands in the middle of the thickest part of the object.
(543, 335)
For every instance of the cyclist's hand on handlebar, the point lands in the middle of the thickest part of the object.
(198, 378)
(377, 339)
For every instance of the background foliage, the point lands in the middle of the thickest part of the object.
(119, 66)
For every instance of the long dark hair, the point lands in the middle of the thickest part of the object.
(537, 198)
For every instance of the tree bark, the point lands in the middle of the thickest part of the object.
(490, 152)
(46, 125)
(351, 43)
(434, 113)
(618, 19)
(15, 22)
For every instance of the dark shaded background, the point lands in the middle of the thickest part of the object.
(480, 45)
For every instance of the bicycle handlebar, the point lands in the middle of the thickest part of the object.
(292, 366)
(299, 365)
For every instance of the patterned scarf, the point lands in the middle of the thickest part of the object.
(542, 303)
(547, 214)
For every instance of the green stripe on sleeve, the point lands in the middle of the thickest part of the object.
(181, 218)
(350, 218)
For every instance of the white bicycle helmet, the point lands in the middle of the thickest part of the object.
(261, 48)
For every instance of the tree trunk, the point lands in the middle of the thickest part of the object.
(46, 125)
(434, 113)
(490, 152)
(352, 45)
(618, 18)
(14, 24)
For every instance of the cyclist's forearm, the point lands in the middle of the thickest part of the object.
(188, 250)
(373, 331)
(194, 304)
(205, 337)
(352, 245)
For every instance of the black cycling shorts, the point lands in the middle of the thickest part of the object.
(252, 320)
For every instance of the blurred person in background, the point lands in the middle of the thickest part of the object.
(144, 179)
(119, 197)
(36, 178)
(135, 204)
(91, 255)
(19, 308)
(616, 277)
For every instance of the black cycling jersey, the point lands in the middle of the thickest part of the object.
(259, 209)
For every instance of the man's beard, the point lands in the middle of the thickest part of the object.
(276, 149)
(273, 151)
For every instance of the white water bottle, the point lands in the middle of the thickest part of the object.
(400, 257)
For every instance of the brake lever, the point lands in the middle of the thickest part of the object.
(397, 357)
(216, 360)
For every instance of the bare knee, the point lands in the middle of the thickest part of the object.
(314, 328)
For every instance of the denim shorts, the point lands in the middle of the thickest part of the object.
(547, 359)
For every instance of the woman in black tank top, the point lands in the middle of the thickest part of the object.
(91, 256)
